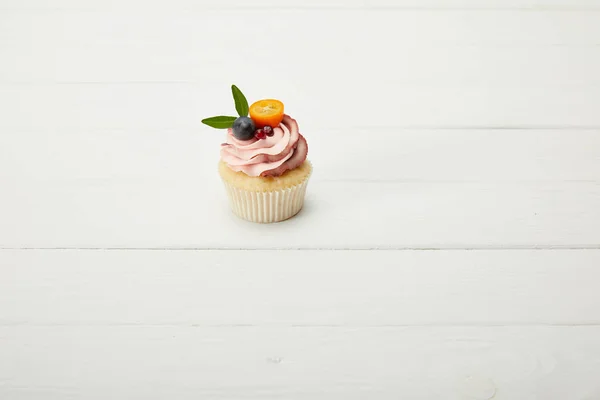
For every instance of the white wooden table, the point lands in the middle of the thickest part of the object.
(450, 243)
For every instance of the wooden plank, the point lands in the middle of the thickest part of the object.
(161, 189)
(144, 6)
(467, 63)
(340, 215)
(299, 288)
(173, 31)
(456, 68)
(176, 107)
(81, 157)
(184, 362)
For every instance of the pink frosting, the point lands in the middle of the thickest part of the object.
(285, 150)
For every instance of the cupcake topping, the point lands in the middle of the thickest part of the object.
(268, 130)
(267, 143)
(264, 115)
(243, 128)
(267, 112)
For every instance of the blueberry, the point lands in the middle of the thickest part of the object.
(243, 128)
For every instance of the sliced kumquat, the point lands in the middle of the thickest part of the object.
(268, 112)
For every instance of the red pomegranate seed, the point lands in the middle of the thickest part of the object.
(268, 131)
(260, 134)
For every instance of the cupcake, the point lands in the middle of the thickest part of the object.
(263, 160)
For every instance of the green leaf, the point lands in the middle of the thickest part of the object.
(241, 104)
(220, 122)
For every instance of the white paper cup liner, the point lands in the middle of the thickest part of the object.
(266, 207)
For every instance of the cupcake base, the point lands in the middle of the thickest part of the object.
(266, 199)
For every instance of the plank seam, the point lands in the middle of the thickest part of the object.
(382, 248)
(297, 326)
(341, 8)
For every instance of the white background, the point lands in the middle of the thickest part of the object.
(450, 243)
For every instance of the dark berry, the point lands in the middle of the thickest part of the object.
(268, 131)
(243, 128)
(260, 134)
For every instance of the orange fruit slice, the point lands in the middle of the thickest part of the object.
(267, 112)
